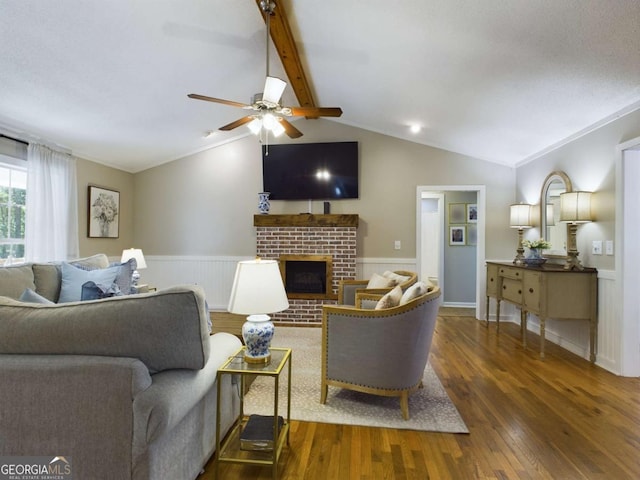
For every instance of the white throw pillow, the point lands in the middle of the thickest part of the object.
(378, 281)
(397, 279)
(391, 299)
(73, 278)
(414, 291)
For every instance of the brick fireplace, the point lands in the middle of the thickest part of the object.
(309, 238)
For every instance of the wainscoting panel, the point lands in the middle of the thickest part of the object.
(214, 274)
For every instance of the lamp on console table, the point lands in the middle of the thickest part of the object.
(257, 290)
(136, 253)
(575, 208)
(520, 218)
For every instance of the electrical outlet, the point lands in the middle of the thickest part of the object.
(609, 247)
(397, 245)
(596, 247)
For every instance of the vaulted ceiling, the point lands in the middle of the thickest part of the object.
(501, 80)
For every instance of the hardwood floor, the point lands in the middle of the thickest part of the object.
(558, 418)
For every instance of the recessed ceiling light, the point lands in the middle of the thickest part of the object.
(415, 128)
(208, 134)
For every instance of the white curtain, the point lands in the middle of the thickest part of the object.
(51, 230)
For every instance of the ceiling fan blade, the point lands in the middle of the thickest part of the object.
(289, 129)
(273, 89)
(316, 111)
(217, 100)
(237, 123)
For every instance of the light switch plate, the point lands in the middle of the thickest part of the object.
(596, 247)
(609, 247)
(397, 245)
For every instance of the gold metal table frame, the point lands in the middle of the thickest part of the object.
(228, 450)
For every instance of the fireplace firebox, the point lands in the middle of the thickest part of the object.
(307, 276)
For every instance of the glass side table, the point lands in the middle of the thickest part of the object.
(229, 450)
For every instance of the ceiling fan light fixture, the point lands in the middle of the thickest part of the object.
(255, 126)
(273, 90)
(277, 129)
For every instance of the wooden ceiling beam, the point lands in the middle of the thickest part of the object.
(288, 52)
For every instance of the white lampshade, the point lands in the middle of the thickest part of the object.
(134, 253)
(258, 288)
(575, 207)
(520, 216)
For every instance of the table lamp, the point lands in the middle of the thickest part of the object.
(520, 218)
(140, 262)
(257, 291)
(575, 208)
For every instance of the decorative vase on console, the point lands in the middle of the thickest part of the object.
(263, 203)
(534, 256)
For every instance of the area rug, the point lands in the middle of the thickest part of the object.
(430, 408)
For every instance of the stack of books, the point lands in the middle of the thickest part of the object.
(258, 434)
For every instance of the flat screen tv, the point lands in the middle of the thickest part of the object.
(310, 171)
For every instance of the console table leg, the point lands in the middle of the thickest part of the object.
(498, 315)
(523, 326)
(486, 317)
(542, 330)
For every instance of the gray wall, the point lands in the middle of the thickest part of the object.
(459, 260)
(590, 163)
(204, 204)
(101, 175)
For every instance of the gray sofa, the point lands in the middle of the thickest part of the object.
(124, 387)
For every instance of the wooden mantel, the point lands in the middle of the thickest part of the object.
(305, 220)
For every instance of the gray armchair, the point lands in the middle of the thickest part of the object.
(382, 352)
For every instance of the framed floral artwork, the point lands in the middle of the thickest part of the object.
(103, 212)
(457, 235)
(457, 212)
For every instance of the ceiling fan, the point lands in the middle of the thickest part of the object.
(267, 112)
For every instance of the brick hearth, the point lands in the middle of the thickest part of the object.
(305, 234)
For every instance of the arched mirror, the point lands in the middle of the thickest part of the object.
(551, 229)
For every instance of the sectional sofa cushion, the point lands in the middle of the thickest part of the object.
(15, 279)
(165, 329)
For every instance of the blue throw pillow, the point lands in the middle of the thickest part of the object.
(30, 296)
(74, 278)
(123, 279)
(92, 291)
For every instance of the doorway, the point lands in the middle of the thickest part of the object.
(628, 256)
(432, 231)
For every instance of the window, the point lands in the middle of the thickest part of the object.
(13, 196)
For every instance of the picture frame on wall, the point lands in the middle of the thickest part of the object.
(472, 234)
(472, 213)
(457, 213)
(457, 235)
(103, 212)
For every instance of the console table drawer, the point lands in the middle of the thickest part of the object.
(513, 273)
(512, 290)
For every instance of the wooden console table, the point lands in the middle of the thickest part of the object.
(548, 291)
